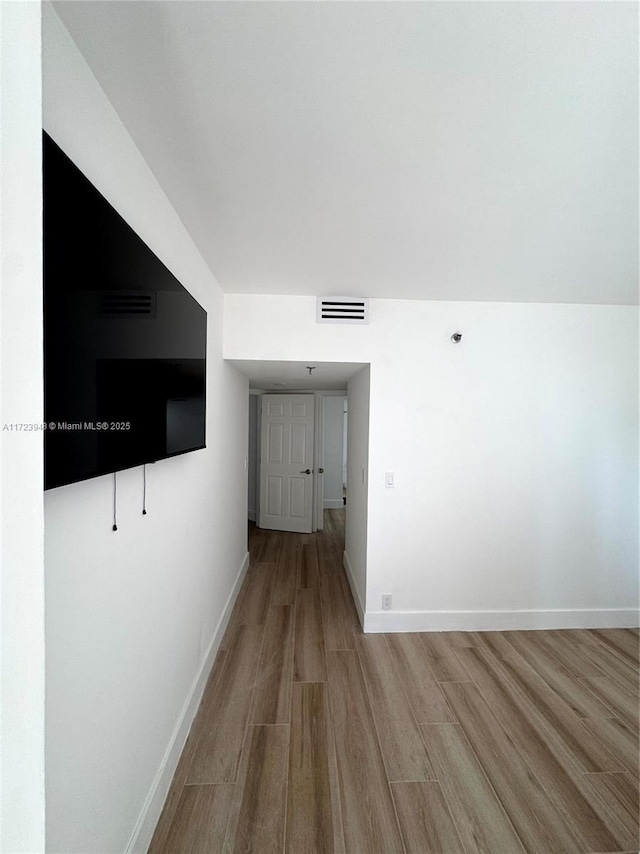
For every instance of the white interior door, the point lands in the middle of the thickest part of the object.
(286, 464)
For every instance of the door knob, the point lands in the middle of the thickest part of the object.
(320, 471)
(306, 471)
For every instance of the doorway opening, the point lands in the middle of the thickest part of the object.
(297, 458)
(333, 449)
(298, 445)
(340, 395)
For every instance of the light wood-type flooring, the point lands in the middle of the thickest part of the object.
(313, 738)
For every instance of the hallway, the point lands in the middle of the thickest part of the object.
(313, 738)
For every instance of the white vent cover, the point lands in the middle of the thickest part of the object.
(342, 310)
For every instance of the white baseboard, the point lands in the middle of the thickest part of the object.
(333, 503)
(252, 515)
(354, 590)
(146, 824)
(497, 621)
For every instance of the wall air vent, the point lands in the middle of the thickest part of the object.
(128, 304)
(342, 310)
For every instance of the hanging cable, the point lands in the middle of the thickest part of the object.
(115, 500)
(144, 489)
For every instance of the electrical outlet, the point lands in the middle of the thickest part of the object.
(386, 601)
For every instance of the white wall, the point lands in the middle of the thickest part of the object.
(515, 453)
(133, 618)
(333, 428)
(21, 402)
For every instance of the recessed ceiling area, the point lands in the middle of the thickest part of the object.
(292, 376)
(416, 150)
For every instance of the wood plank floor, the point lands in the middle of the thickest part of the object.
(313, 738)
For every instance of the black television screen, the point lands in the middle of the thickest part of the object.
(124, 341)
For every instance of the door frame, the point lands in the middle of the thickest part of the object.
(318, 507)
(317, 517)
(257, 393)
(318, 456)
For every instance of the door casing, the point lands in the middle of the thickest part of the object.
(318, 454)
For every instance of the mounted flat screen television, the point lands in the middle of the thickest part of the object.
(124, 341)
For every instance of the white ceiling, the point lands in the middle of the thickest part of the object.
(291, 376)
(421, 150)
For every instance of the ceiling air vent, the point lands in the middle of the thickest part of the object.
(128, 304)
(342, 310)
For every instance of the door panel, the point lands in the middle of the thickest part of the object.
(275, 409)
(296, 497)
(274, 496)
(298, 443)
(276, 443)
(286, 489)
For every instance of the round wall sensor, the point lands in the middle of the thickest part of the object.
(456, 337)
